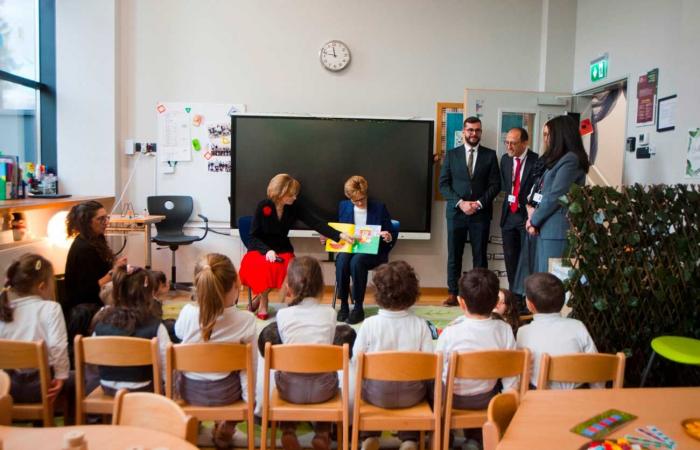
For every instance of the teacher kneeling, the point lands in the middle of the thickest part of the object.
(361, 211)
(264, 267)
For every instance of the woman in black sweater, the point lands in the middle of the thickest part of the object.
(90, 260)
(264, 267)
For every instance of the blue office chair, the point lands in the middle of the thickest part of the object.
(244, 225)
(177, 209)
(395, 227)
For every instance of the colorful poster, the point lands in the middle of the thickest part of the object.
(646, 97)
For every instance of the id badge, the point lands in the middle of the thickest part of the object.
(537, 197)
(511, 198)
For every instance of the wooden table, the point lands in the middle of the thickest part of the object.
(544, 418)
(97, 437)
(120, 225)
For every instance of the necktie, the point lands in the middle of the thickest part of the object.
(470, 161)
(516, 185)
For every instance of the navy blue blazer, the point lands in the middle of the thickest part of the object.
(377, 214)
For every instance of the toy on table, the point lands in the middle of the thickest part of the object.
(603, 424)
(609, 444)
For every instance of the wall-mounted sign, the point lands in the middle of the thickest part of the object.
(599, 68)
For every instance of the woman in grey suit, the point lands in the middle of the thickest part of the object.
(566, 163)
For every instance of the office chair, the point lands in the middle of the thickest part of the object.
(244, 224)
(177, 209)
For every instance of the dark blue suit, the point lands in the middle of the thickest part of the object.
(357, 266)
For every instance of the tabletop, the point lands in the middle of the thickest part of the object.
(544, 417)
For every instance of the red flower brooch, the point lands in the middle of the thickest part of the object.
(267, 211)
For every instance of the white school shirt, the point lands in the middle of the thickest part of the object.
(556, 335)
(393, 331)
(476, 334)
(232, 326)
(33, 319)
(308, 322)
(360, 216)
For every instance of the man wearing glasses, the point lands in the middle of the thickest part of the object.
(469, 181)
(516, 180)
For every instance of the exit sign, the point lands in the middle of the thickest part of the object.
(599, 68)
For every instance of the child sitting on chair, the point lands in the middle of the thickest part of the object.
(306, 321)
(215, 318)
(549, 332)
(507, 309)
(394, 328)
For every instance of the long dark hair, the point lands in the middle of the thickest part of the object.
(78, 222)
(23, 277)
(133, 299)
(304, 279)
(564, 137)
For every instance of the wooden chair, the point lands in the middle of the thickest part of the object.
(214, 357)
(110, 351)
(5, 410)
(155, 412)
(499, 414)
(398, 366)
(305, 358)
(5, 383)
(481, 365)
(29, 355)
(582, 368)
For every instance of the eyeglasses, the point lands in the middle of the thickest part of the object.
(472, 130)
(102, 219)
(511, 143)
(358, 200)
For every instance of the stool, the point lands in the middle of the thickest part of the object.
(678, 349)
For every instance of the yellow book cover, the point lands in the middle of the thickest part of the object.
(367, 239)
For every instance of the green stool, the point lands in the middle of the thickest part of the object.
(678, 349)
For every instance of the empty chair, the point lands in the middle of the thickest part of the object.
(305, 358)
(214, 357)
(581, 368)
(155, 412)
(177, 210)
(29, 355)
(115, 351)
(481, 365)
(499, 414)
(398, 366)
(679, 349)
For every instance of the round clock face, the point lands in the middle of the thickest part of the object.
(335, 55)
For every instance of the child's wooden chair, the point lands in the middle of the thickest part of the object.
(5, 399)
(5, 383)
(305, 358)
(155, 412)
(214, 357)
(29, 355)
(582, 368)
(499, 414)
(398, 366)
(117, 351)
(481, 365)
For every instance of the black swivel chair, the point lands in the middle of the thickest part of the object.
(177, 209)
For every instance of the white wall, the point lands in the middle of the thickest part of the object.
(641, 35)
(407, 55)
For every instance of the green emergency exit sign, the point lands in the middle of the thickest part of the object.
(599, 68)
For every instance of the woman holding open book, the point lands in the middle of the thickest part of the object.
(359, 210)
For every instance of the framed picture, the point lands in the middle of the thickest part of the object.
(666, 113)
(448, 134)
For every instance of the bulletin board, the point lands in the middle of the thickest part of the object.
(194, 155)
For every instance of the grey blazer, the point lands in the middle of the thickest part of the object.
(550, 215)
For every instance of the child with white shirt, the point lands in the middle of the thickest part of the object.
(549, 332)
(27, 313)
(215, 318)
(306, 321)
(394, 328)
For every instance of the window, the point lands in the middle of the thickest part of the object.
(27, 81)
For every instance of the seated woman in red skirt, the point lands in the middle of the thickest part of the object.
(264, 267)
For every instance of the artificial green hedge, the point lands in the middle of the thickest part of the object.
(636, 259)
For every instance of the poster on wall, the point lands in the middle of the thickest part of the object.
(692, 167)
(646, 97)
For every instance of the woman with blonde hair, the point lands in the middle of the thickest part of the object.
(264, 267)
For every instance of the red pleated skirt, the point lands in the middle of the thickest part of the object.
(260, 275)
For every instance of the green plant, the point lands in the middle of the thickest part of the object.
(636, 271)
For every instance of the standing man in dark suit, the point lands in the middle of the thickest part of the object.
(516, 181)
(469, 181)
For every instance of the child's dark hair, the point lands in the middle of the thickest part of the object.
(345, 334)
(269, 334)
(133, 299)
(511, 316)
(23, 277)
(304, 279)
(397, 285)
(158, 278)
(479, 289)
(214, 276)
(545, 291)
